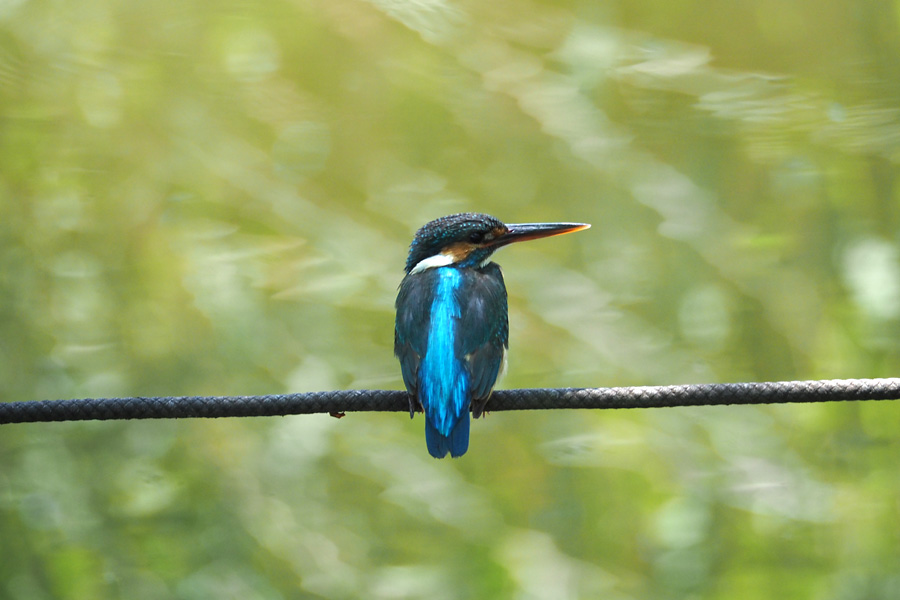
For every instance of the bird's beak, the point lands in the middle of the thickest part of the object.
(521, 232)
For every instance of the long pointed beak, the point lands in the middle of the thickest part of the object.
(521, 232)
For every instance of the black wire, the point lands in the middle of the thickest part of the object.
(390, 400)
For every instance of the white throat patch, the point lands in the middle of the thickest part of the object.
(438, 260)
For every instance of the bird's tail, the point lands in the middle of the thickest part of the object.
(456, 443)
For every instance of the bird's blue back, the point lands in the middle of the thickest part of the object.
(450, 335)
(443, 379)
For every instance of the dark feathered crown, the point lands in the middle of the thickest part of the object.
(435, 236)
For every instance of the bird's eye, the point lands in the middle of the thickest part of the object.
(476, 237)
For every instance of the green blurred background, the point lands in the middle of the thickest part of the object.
(217, 198)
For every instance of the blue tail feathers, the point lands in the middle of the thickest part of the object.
(456, 443)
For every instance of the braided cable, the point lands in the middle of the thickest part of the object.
(336, 402)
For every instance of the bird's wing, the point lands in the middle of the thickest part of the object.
(411, 332)
(483, 332)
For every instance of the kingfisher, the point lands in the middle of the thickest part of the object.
(452, 327)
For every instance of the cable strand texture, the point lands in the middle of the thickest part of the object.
(180, 407)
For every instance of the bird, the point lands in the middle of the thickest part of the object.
(452, 330)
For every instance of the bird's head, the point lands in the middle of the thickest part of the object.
(469, 239)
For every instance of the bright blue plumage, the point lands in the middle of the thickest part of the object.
(443, 378)
(451, 330)
(450, 336)
(456, 443)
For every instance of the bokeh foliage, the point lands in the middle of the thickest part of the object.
(216, 198)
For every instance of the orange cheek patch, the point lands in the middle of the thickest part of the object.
(459, 251)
